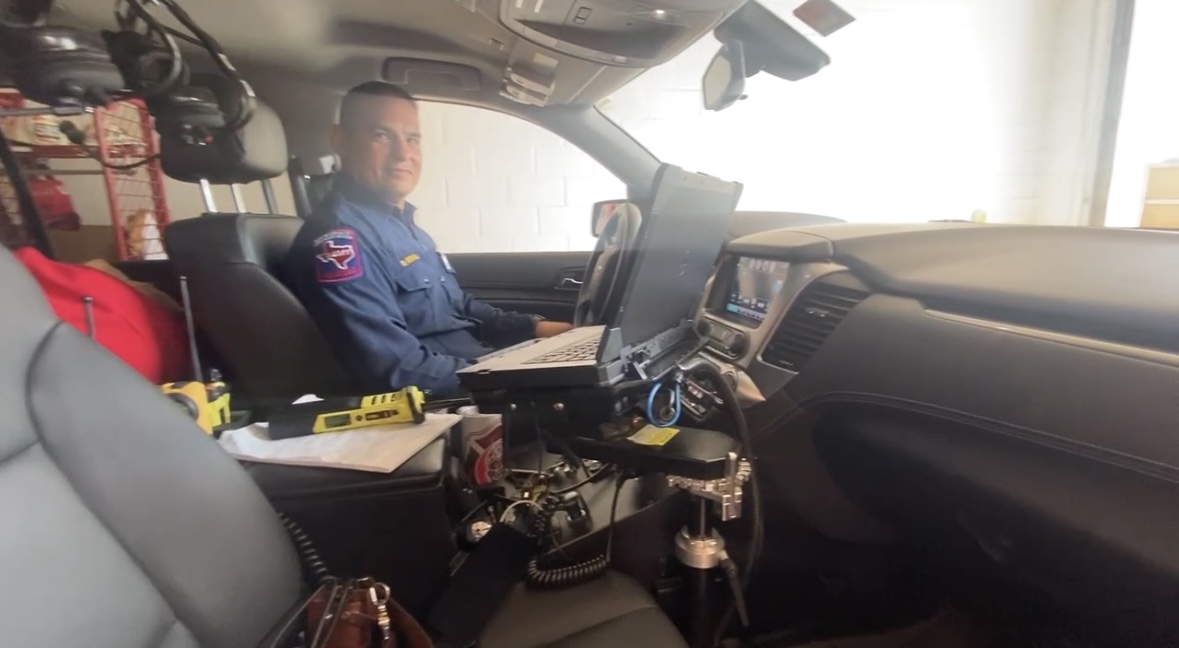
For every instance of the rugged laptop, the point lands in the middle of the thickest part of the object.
(682, 233)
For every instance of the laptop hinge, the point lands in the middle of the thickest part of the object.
(637, 358)
(610, 348)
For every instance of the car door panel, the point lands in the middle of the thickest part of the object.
(543, 283)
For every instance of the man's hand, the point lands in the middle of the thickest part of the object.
(545, 328)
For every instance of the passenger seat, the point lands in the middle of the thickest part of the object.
(127, 526)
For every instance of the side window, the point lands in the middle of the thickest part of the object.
(495, 183)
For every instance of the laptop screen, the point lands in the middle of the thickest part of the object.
(683, 230)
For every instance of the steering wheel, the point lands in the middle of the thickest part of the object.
(601, 273)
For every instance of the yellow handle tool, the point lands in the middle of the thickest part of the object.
(339, 414)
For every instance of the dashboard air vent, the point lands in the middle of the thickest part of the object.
(812, 317)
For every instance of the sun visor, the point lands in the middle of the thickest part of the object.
(256, 151)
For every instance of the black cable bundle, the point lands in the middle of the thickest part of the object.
(541, 524)
(566, 575)
(757, 523)
(541, 576)
(313, 565)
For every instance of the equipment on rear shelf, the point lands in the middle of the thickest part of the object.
(69, 72)
(119, 142)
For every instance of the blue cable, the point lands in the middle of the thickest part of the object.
(651, 404)
(677, 407)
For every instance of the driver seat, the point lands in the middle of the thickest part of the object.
(272, 349)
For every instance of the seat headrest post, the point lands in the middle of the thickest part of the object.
(239, 202)
(207, 194)
(268, 194)
(298, 179)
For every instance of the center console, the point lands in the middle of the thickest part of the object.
(766, 310)
(394, 527)
(740, 301)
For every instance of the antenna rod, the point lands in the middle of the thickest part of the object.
(191, 328)
(88, 307)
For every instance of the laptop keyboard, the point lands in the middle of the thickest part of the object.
(582, 351)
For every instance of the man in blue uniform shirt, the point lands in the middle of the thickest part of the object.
(374, 281)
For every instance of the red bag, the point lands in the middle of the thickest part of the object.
(147, 336)
(53, 202)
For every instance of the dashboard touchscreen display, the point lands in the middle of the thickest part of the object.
(753, 287)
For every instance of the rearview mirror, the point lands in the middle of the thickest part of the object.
(769, 44)
(603, 213)
(724, 80)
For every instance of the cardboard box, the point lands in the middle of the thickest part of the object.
(1162, 182)
(1160, 207)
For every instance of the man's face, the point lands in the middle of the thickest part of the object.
(380, 146)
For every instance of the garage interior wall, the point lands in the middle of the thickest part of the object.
(930, 109)
(184, 199)
(1148, 131)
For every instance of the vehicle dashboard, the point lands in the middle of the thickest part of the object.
(954, 315)
(914, 346)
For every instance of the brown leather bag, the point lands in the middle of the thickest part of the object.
(360, 613)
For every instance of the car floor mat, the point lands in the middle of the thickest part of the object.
(947, 629)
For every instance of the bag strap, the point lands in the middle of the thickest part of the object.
(393, 622)
(291, 623)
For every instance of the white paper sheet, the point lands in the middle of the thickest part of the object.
(381, 448)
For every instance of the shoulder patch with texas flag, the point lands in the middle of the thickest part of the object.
(337, 256)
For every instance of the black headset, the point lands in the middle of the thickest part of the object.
(70, 70)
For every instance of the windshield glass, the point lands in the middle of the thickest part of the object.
(929, 110)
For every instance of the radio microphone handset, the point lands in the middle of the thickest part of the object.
(71, 71)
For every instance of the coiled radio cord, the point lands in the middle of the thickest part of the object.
(313, 565)
(542, 576)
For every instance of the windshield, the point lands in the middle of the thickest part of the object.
(929, 110)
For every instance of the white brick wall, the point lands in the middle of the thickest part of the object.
(930, 109)
(494, 183)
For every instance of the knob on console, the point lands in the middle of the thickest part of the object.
(738, 343)
(728, 340)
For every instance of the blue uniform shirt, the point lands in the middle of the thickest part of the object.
(387, 300)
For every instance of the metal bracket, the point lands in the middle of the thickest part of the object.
(727, 491)
(700, 552)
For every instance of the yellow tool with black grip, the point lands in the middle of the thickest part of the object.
(218, 391)
(347, 413)
(193, 399)
(207, 403)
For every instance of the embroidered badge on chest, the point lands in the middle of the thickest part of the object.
(338, 257)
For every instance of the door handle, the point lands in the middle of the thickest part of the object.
(569, 283)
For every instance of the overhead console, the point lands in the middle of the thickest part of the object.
(624, 33)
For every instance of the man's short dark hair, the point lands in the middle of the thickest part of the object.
(370, 89)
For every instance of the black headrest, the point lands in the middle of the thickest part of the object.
(255, 152)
